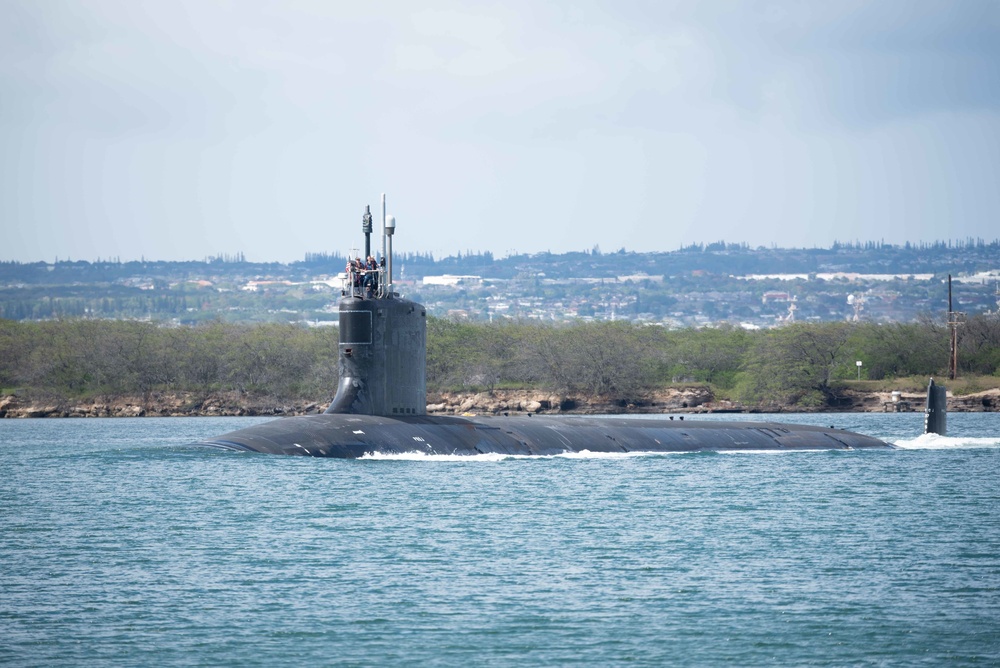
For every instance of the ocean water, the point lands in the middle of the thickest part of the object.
(122, 545)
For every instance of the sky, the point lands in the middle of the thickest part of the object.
(183, 129)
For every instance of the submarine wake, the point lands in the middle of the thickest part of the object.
(938, 442)
(494, 457)
(416, 456)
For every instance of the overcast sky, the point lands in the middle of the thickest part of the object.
(178, 129)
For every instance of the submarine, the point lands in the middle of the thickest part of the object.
(380, 403)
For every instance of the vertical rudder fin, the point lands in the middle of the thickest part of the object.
(936, 413)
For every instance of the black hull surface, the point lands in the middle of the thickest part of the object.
(353, 436)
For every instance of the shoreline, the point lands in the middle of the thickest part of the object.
(682, 400)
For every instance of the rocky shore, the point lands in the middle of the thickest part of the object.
(694, 399)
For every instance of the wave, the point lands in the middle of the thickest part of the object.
(937, 442)
(922, 442)
(417, 456)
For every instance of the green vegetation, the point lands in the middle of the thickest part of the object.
(798, 364)
(95, 358)
(806, 364)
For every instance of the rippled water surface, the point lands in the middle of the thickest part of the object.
(120, 545)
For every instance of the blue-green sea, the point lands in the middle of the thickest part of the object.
(120, 545)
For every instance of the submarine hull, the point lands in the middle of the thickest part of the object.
(352, 436)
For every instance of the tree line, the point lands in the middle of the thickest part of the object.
(800, 363)
(91, 358)
(796, 364)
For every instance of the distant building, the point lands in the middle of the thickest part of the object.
(453, 281)
(772, 277)
(254, 286)
(982, 277)
(775, 296)
(853, 276)
(637, 278)
(834, 276)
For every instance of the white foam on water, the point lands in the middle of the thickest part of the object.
(922, 442)
(417, 456)
(779, 452)
(587, 454)
(938, 442)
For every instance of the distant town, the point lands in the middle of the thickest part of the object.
(699, 285)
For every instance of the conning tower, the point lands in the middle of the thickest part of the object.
(383, 344)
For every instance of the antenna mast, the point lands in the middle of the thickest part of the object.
(366, 227)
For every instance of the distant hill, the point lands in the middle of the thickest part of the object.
(692, 285)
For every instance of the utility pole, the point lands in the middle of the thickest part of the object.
(954, 320)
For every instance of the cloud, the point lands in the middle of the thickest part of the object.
(179, 130)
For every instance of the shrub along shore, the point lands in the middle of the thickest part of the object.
(110, 367)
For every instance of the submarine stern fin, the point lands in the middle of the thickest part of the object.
(936, 413)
